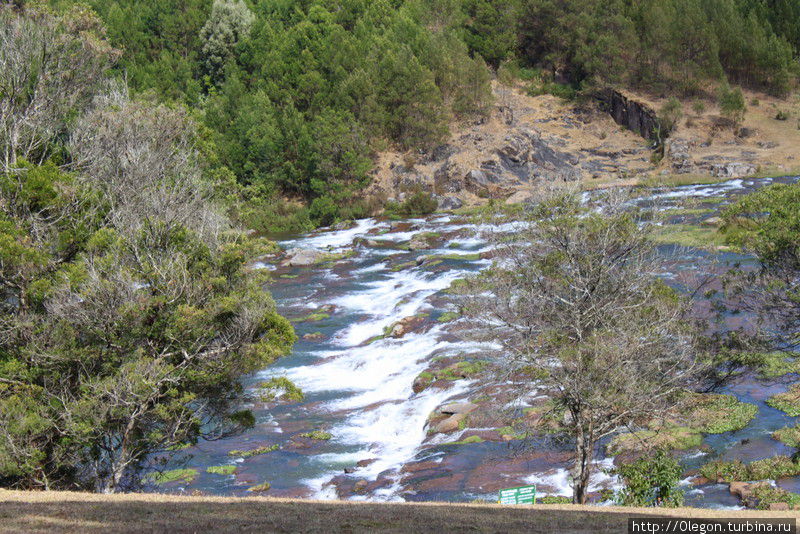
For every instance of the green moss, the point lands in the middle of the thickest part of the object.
(280, 387)
(788, 402)
(788, 435)
(254, 452)
(471, 439)
(473, 256)
(688, 235)
(221, 469)
(457, 286)
(260, 488)
(335, 256)
(446, 317)
(174, 475)
(460, 370)
(317, 435)
(403, 266)
(289, 276)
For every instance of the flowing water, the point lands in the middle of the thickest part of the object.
(358, 384)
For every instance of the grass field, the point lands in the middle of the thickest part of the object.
(81, 512)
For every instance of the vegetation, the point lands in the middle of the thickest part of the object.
(128, 313)
(573, 293)
(651, 481)
(174, 475)
(317, 435)
(221, 469)
(772, 468)
(788, 402)
(264, 449)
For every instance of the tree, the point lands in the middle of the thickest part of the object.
(731, 104)
(767, 223)
(572, 294)
(50, 67)
(229, 23)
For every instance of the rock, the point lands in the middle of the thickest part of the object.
(344, 225)
(519, 197)
(404, 326)
(634, 115)
(744, 490)
(365, 463)
(360, 486)
(349, 470)
(779, 507)
(420, 242)
(450, 424)
(301, 257)
(732, 170)
(450, 203)
(677, 150)
(746, 132)
(327, 308)
(316, 336)
(458, 408)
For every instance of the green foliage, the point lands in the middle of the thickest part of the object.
(651, 481)
(280, 387)
(767, 494)
(788, 435)
(229, 23)
(788, 402)
(555, 499)
(416, 205)
(731, 104)
(669, 115)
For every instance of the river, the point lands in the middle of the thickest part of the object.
(359, 385)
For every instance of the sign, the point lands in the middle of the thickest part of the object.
(520, 495)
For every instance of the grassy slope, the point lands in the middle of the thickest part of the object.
(81, 512)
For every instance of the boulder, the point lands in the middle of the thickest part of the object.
(360, 486)
(779, 507)
(404, 326)
(301, 257)
(365, 463)
(450, 424)
(458, 408)
(733, 170)
(420, 242)
(450, 203)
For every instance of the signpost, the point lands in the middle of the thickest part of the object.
(520, 495)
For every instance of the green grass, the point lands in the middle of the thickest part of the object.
(254, 452)
(669, 438)
(221, 469)
(788, 435)
(688, 235)
(174, 475)
(788, 402)
(715, 414)
(777, 364)
(773, 468)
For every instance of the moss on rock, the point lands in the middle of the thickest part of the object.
(174, 475)
(788, 402)
(221, 470)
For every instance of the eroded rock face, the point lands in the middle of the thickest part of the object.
(733, 170)
(635, 116)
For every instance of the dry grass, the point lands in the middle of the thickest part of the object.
(82, 512)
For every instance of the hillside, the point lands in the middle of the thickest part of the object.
(83, 512)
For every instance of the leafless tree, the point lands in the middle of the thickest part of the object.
(49, 70)
(573, 293)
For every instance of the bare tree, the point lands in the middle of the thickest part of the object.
(573, 293)
(49, 70)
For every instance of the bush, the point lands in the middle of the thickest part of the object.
(418, 204)
(651, 481)
(731, 104)
(782, 116)
(670, 115)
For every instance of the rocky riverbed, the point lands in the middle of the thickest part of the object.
(399, 403)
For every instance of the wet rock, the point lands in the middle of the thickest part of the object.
(360, 486)
(365, 463)
(327, 308)
(349, 470)
(344, 225)
(301, 257)
(458, 408)
(316, 336)
(404, 326)
(449, 424)
(422, 241)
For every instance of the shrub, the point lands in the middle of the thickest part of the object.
(420, 203)
(651, 481)
(670, 115)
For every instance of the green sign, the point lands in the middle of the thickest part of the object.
(520, 495)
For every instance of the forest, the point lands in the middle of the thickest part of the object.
(295, 97)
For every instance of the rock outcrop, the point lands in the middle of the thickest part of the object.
(635, 116)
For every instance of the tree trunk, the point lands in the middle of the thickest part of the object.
(584, 446)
